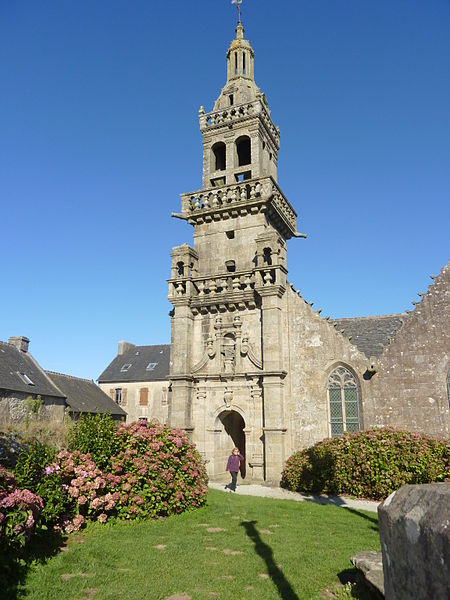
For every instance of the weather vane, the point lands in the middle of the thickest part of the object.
(238, 4)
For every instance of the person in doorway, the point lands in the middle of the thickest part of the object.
(233, 464)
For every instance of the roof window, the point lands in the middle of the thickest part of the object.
(125, 368)
(25, 378)
(150, 366)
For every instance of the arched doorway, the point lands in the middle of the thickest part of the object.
(233, 425)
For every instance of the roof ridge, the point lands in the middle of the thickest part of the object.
(370, 317)
(69, 376)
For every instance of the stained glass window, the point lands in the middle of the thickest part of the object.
(343, 399)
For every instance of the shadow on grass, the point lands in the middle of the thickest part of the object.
(14, 568)
(336, 501)
(284, 588)
(373, 520)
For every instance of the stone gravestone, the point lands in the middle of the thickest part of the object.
(415, 541)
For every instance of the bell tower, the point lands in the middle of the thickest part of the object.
(228, 360)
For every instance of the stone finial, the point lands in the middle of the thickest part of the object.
(239, 31)
(20, 342)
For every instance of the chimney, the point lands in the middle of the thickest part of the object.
(124, 347)
(20, 342)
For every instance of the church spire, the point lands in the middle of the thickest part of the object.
(240, 86)
(240, 57)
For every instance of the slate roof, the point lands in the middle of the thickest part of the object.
(14, 361)
(139, 357)
(84, 396)
(370, 334)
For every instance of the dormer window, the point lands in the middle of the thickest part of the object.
(125, 368)
(231, 99)
(25, 378)
(151, 366)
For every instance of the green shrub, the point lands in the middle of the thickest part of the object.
(368, 464)
(95, 435)
(32, 473)
(31, 463)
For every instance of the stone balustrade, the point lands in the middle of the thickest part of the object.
(209, 288)
(234, 113)
(258, 190)
(225, 116)
(203, 287)
(226, 195)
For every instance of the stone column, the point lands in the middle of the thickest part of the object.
(273, 384)
(181, 380)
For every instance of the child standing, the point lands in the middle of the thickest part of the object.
(233, 464)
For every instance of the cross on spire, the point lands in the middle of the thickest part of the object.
(238, 5)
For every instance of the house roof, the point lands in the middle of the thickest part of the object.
(139, 358)
(84, 396)
(370, 335)
(12, 362)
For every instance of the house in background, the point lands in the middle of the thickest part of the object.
(23, 382)
(138, 381)
(83, 396)
(22, 379)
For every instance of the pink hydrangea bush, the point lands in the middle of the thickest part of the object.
(157, 472)
(19, 512)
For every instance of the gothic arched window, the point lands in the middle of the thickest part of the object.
(343, 401)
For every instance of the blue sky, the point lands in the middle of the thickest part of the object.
(99, 135)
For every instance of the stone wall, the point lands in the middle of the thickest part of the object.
(315, 348)
(409, 389)
(16, 408)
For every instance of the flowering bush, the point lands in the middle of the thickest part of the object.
(156, 472)
(368, 464)
(19, 511)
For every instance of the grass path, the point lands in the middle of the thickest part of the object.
(237, 548)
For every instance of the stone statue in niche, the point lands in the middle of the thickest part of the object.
(210, 350)
(228, 397)
(228, 352)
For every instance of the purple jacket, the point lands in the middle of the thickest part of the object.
(234, 462)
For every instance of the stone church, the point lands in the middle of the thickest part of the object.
(252, 364)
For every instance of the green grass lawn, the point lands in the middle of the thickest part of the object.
(237, 547)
